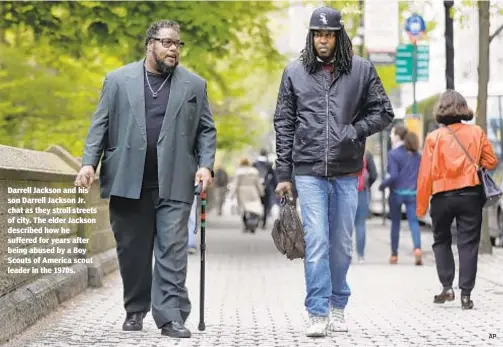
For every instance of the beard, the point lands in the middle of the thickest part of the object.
(162, 67)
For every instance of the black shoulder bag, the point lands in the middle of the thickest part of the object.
(492, 193)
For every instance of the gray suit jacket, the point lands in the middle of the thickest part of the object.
(187, 139)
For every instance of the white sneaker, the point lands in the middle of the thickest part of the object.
(337, 321)
(317, 326)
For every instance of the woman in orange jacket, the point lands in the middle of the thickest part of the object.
(448, 176)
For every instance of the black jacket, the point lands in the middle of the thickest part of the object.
(321, 126)
(267, 175)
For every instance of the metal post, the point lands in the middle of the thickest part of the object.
(500, 125)
(414, 77)
(362, 36)
(449, 45)
(383, 199)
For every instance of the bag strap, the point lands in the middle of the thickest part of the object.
(462, 147)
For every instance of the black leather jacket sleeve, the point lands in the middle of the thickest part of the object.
(284, 125)
(378, 110)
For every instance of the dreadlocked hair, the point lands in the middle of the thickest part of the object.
(343, 53)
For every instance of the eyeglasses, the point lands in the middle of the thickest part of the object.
(167, 43)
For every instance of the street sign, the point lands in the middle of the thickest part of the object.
(415, 27)
(405, 66)
(382, 58)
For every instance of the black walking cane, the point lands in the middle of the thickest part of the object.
(202, 195)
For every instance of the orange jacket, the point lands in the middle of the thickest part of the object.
(445, 166)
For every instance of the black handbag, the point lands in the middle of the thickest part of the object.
(492, 193)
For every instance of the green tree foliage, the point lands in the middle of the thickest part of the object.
(54, 56)
(39, 105)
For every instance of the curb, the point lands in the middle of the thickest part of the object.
(102, 265)
(26, 305)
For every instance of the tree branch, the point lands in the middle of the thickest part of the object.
(496, 33)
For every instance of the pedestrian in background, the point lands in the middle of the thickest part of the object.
(268, 181)
(220, 182)
(449, 176)
(249, 192)
(365, 182)
(403, 168)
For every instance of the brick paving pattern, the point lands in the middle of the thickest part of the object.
(255, 298)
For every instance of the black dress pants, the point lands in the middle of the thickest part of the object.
(464, 205)
(142, 228)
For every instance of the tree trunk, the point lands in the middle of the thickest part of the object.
(449, 45)
(483, 80)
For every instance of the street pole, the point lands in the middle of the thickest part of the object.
(362, 36)
(500, 125)
(449, 45)
(383, 197)
(414, 77)
(484, 8)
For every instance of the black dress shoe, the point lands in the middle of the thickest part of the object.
(466, 303)
(134, 321)
(175, 329)
(446, 295)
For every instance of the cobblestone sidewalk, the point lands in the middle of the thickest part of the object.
(255, 298)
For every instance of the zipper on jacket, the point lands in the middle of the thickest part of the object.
(326, 149)
(327, 95)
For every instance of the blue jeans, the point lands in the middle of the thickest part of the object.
(395, 207)
(328, 208)
(362, 213)
(192, 225)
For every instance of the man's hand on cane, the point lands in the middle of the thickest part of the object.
(203, 174)
(85, 177)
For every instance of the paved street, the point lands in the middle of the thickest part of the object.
(255, 298)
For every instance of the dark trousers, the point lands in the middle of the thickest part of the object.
(466, 206)
(220, 193)
(267, 207)
(142, 227)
